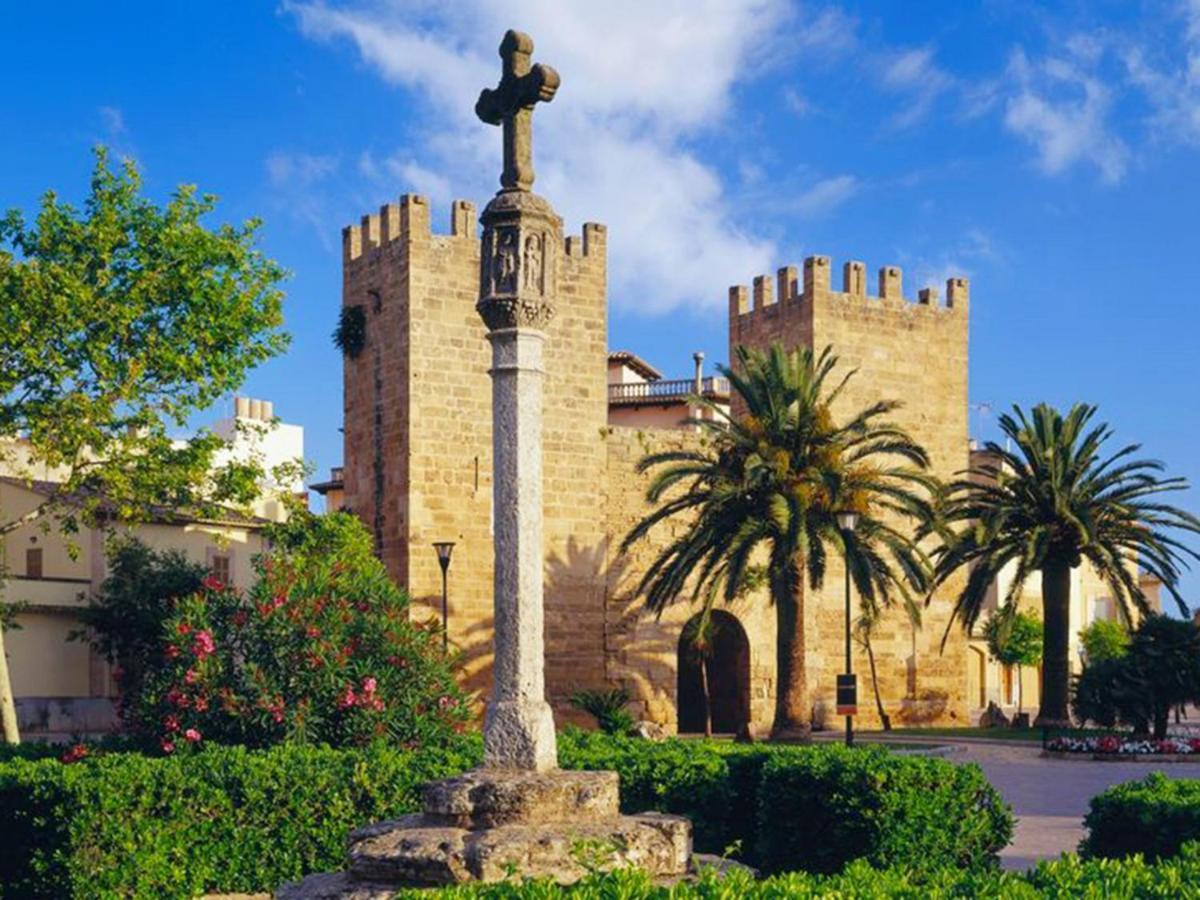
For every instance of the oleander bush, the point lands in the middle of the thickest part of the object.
(1062, 879)
(231, 819)
(1155, 817)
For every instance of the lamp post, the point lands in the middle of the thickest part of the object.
(847, 688)
(444, 549)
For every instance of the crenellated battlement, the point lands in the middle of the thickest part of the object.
(409, 221)
(788, 291)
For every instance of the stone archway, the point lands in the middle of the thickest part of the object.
(728, 677)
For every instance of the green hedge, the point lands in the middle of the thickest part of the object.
(1064, 879)
(125, 825)
(823, 805)
(1154, 817)
(228, 819)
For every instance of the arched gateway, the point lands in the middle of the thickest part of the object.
(724, 668)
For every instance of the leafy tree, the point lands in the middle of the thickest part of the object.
(322, 649)
(1014, 638)
(118, 321)
(1104, 639)
(1051, 502)
(771, 481)
(1160, 672)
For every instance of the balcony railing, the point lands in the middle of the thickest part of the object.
(666, 391)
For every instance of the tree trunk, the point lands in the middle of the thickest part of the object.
(793, 713)
(8, 709)
(1056, 630)
(1020, 692)
(884, 720)
(707, 696)
(1162, 716)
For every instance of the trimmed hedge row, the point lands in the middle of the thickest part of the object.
(229, 819)
(1154, 817)
(825, 805)
(1063, 879)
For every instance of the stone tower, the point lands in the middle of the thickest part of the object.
(914, 352)
(418, 429)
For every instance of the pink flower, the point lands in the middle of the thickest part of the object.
(171, 723)
(369, 685)
(171, 651)
(348, 699)
(191, 676)
(203, 644)
(201, 703)
(168, 746)
(192, 735)
(444, 702)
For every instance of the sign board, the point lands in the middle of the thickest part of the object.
(847, 695)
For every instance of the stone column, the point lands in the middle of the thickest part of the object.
(518, 284)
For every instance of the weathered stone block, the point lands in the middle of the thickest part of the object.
(488, 798)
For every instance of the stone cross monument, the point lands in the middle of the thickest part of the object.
(519, 812)
(518, 287)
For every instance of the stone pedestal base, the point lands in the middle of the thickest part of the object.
(489, 825)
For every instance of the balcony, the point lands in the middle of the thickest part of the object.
(675, 391)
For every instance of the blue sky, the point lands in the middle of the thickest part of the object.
(1048, 152)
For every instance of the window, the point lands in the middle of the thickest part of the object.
(220, 567)
(33, 562)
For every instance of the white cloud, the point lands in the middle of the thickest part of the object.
(825, 195)
(1061, 107)
(1173, 90)
(114, 121)
(299, 170)
(639, 81)
(915, 74)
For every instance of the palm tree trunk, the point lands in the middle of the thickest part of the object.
(793, 714)
(884, 720)
(8, 709)
(707, 695)
(1020, 693)
(1056, 625)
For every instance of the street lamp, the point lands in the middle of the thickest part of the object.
(847, 685)
(444, 549)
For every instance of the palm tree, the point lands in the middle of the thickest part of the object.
(698, 636)
(1051, 502)
(768, 484)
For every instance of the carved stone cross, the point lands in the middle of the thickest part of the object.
(511, 104)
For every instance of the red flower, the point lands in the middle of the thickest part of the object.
(239, 618)
(171, 651)
(1108, 744)
(75, 754)
(183, 628)
(212, 583)
(168, 746)
(192, 735)
(348, 699)
(201, 703)
(171, 723)
(313, 631)
(191, 676)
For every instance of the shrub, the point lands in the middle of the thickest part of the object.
(320, 650)
(607, 707)
(220, 819)
(127, 618)
(820, 810)
(231, 819)
(1158, 673)
(1068, 877)
(813, 808)
(1154, 817)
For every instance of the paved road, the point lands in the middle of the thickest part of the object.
(1050, 796)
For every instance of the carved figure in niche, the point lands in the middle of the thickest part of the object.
(506, 261)
(533, 263)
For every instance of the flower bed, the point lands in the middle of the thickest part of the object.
(1120, 747)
